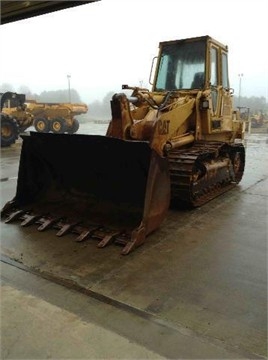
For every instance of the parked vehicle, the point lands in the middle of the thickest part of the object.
(181, 142)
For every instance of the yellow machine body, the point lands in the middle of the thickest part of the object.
(180, 142)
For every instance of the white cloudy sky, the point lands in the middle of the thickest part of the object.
(112, 42)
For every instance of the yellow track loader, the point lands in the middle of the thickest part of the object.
(180, 143)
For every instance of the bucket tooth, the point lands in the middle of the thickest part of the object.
(83, 236)
(108, 239)
(30, 219)
(48, 223)
(66, 228)
(14, 216)
(137, 239)
(86, 233)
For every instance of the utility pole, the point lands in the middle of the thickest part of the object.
(69, 87)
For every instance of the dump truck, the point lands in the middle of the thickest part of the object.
(17, 115)
(257, 119)
(14, 117)
(180, 143)
(56, 117)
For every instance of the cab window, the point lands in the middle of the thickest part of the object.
(213, 68)
(225, 80)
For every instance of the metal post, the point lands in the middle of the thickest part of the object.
(69, 87)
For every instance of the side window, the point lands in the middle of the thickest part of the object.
(213, 67)
(161, 82)
(225, 81)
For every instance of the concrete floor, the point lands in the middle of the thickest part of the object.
(196, 289)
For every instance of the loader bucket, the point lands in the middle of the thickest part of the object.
(95, 186)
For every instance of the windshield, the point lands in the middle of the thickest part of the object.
(182, 66)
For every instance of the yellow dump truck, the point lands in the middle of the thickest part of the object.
(56, 117)
(180, 142)
(14, 117)
(17, 115)
(257, 119)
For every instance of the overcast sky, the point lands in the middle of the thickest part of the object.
(112, 42)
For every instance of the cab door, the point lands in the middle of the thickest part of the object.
(221, 100)
(215, 88)
(227, 94)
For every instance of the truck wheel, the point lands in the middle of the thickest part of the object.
(9, 131)
(41, 125)
(74, 128)
(58, 126)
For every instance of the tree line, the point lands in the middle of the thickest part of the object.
(53, 96)
(254, 103)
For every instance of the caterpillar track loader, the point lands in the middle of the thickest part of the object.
(180, 143)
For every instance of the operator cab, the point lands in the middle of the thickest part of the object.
(181, 66)
(191, 64)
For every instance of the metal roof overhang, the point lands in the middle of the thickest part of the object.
(18, 10)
